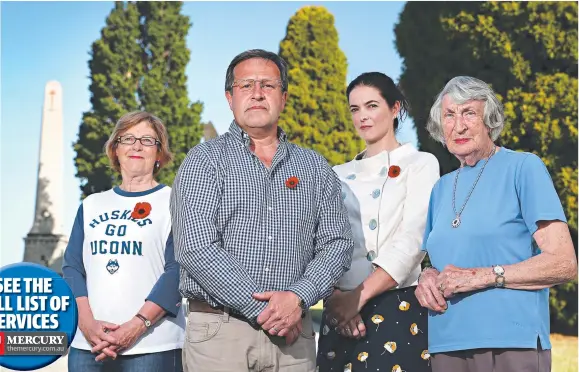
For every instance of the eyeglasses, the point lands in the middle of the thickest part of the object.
(130, 140)
(267, 85)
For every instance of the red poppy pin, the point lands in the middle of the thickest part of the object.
(393, 171)
(141, 210)
(292, 182)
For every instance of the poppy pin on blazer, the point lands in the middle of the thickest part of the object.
(141, 210)
(393, 171)
(292, 182)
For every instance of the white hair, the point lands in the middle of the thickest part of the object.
(462, 89)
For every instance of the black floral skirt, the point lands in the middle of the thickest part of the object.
(396, 338)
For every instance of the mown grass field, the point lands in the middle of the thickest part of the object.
(564, 352)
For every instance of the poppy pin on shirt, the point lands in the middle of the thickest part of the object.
(292, 182)
(393, 171)
(141, 210)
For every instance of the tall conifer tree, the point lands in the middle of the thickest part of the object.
(137, 64)
(115, 69)
(163, 89)
(316, 114)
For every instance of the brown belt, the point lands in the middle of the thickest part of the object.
(197, 306)
(203, 307)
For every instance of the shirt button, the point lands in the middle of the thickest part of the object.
(376, 193)
(266, 269)
(269, 208)
(270, 237)
(373, 224)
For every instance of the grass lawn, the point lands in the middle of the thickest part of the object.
(564, 352)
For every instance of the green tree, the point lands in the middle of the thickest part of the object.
(115, 67)
(527, 51)
(137, 64)
(316, 114)
(163, 89)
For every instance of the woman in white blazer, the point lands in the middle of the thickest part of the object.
(372, 319)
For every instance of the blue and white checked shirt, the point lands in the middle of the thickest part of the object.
(238, 229)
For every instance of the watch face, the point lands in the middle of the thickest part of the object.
(499, 270)
(148, 323)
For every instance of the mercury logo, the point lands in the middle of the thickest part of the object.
(36, 340)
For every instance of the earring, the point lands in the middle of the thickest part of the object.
(157, 165)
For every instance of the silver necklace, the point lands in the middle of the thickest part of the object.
(456, 221)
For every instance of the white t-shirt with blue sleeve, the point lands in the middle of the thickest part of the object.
(514, 192)
(119, 262)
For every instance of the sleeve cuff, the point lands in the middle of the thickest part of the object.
(253, 309)
(306, 290)
(166, 294)
(398, 270)
(170, 305)
(76, 282)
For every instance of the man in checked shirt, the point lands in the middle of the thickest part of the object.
(260, 231)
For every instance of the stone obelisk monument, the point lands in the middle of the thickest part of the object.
(46, 242)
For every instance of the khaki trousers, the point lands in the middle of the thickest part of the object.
(221, 343)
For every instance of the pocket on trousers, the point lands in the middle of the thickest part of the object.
(202, 330)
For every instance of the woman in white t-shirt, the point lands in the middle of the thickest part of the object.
(120, 262)
(373, 319)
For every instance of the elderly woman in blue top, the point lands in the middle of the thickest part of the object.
(120, 261)
(497, 238)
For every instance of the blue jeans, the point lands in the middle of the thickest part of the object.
(164, 361)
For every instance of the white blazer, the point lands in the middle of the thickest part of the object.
(387, 214)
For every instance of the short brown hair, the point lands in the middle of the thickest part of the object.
(127, 122)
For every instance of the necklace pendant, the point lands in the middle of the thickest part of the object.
(456, 222)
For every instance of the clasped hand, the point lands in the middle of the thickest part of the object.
(282, 316)
(435, 287)
(343, 312)
(118, 339)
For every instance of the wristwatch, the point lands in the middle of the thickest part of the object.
(499, 272)
(145, 320)
(302, 305)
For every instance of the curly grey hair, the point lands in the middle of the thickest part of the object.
(462, 89)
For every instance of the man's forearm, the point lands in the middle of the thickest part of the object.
(321, 274)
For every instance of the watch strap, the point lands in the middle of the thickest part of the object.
(303, 307)
(145, 320)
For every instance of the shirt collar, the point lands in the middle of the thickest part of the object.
(383, 159)
(242, 136)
